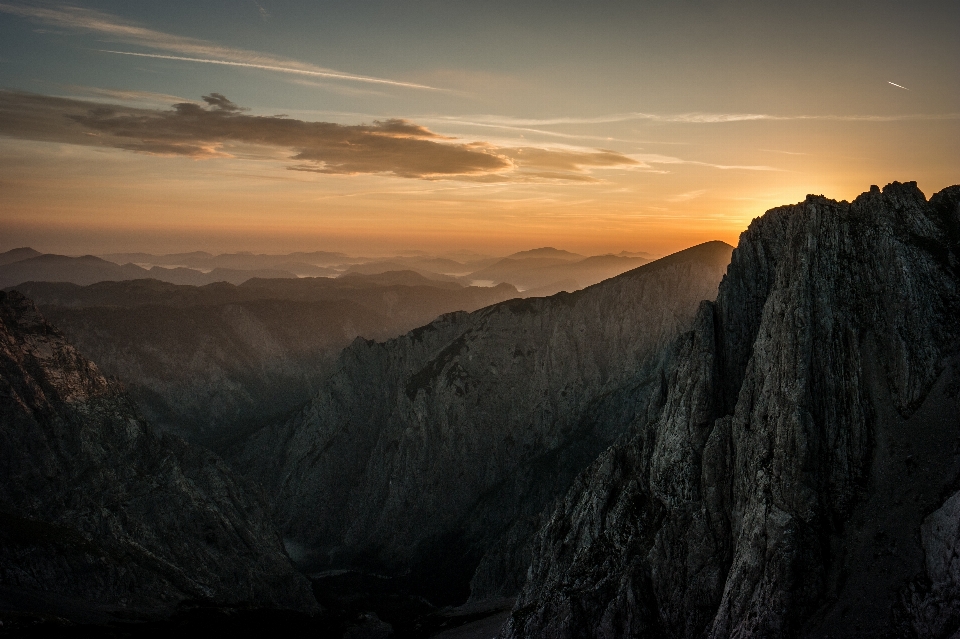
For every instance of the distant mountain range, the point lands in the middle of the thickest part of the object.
(539, 275)
(210, 362)
(535, 273)
(90, 270)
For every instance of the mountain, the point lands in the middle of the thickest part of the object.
(17, 254)
(800, 479)
(100, 516)
(644, 254)
(210, 363)
(89, 270)
(544, 273)
(61, 268)
(377, 268)
(546, 252)
(193, 277)
(237, 261)
(434, 454)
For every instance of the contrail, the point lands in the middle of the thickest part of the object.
(268, 67)
(897, 85)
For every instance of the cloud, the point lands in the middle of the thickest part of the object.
(126, 96)
(683, 118)
(185, 49)
(316, 72)
(650, 158)
(569, 160)
(218, 128)
(685, 197)
(264, 14)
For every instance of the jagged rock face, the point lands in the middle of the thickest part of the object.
(794, 482)
(98, 512)
(436, 452)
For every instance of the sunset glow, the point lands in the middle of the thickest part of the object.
(391, 126)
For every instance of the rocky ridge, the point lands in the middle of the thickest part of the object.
(801, 477)
(99, 514)
(436, 453)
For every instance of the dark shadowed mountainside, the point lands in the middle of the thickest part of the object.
(101, 516)
(801, 478)
(434, 454)
(211, 362)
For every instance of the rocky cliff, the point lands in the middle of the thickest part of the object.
(801, 478)
(434, 454)
(101, 515)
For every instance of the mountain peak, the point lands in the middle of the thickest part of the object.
(546, 251)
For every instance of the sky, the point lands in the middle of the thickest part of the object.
(372, 127)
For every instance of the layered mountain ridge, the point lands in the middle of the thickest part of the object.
(436, 453)
(210, 363)
(101, 516)
(800, 478)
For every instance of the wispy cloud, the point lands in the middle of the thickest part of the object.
(182, 48)
(220, 128)
(282, 69)
(264, 14)
(686, 197)
(651, 158)
(125, 95)
(687, 118)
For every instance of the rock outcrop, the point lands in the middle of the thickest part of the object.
(101, 515)
(436, 453)
(800, 479)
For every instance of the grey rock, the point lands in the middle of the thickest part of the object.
(436, 454)
(810, 429)
(99, 513)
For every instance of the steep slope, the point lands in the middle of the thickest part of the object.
(800, 479)
(98, 513)
(436, 452)
(210, 363)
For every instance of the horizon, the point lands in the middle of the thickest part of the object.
(284, 126)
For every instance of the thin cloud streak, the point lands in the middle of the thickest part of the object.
(695, 118)
(648, 158)
(186, 49)
(268, 67)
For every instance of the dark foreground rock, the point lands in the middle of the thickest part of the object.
(801, 479)
(434, 455)
(101, 516)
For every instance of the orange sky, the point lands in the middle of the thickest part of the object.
(448, 158)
